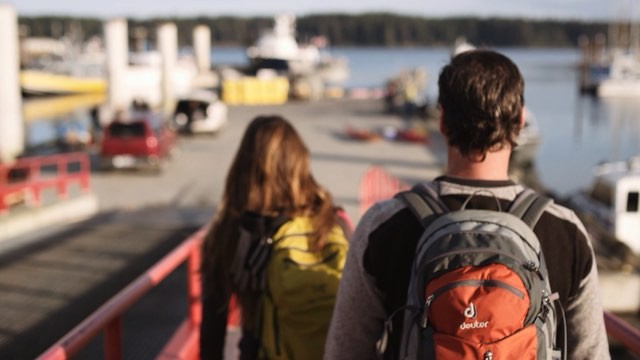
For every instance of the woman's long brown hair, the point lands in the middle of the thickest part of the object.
(269, 175)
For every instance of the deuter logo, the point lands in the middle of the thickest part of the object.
(474, 325)
(470, 311)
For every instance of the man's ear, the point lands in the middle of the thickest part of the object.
(443, 129)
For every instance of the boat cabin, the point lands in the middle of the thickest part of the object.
(618, 189)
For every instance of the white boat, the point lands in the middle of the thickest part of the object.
(623, 78)
(461, 45)
(613, 200)
(614, 71)
(308, 65)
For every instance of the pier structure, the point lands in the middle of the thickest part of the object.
(12, 137)
(117, 48)
(155, 77)
(168, 46)
(202, 48)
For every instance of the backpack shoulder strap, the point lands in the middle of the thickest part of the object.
(529, 206)
(424, 202)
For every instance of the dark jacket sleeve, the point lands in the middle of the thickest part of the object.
(212, 329)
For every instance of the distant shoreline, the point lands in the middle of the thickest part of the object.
(362, 30)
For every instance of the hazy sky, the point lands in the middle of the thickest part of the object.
(574, 9)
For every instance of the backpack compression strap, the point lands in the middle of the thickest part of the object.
(529, 206)
(424, 202)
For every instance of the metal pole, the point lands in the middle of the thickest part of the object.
(202, 47)
(168, 46)
(12, 137)
(117, 48)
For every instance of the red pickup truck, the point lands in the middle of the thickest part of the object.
(141, 142)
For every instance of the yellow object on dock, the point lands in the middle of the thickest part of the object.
(42, 82)
(51, 107)
(255, 91)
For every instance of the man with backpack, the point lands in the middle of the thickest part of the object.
(471, 265)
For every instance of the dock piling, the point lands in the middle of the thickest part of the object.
(12, 134)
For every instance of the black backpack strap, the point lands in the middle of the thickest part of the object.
(529, 206)
(424, 202)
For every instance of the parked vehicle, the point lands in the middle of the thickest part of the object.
(201, 112)
(143, 141)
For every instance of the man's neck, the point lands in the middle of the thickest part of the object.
(495, 165)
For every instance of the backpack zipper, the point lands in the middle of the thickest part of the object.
(424, 320)
(429, 240)
(527, 264)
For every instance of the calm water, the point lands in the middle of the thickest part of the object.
(577, 131)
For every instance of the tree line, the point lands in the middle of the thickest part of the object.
(371, 29)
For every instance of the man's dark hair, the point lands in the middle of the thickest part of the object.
(481, 94)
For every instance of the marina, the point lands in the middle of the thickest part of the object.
(576, 129)
(158, 209)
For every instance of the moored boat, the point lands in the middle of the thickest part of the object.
(613, 200)
(623, 79)
(311, 70)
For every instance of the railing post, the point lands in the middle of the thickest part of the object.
(3, 205)
(61, 165)
(113, 339)
(32, 176)
(84, 172)
(194, 290)
(4, 182)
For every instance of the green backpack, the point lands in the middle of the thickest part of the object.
(300, 293)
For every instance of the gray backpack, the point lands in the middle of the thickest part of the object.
(479, 287)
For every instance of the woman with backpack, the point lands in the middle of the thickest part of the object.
(278, 244)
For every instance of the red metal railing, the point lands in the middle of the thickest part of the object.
(378, 184)
(619, 330)
(25, 179)
(183, 344)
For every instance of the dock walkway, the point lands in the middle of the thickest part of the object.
(49, 286)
